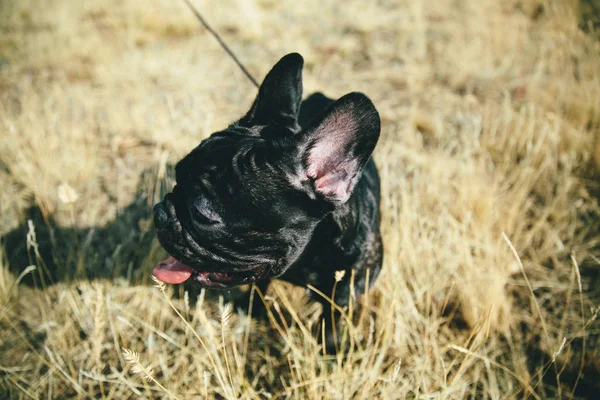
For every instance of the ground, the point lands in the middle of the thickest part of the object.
(489, 158)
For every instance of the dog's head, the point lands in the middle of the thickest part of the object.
(248, 198)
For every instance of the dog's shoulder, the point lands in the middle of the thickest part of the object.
(312, 106)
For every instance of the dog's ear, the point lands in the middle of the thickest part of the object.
(337, 145)
(279, 96)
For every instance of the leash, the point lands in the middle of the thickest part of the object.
(221, 42)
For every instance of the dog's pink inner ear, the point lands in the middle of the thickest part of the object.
(339, 145)
(333, 179)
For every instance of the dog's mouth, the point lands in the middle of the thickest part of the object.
(174, 272)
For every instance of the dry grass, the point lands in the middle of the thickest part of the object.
(489, 158)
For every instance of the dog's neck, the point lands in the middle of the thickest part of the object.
(349, 231)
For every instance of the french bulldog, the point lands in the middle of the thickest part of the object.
(289, 191)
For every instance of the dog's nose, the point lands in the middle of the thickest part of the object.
(161, 217)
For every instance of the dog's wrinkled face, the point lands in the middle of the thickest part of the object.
(247, 198)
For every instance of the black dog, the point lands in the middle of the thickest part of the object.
(289, 191)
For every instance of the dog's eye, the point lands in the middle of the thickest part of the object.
(203, 214)
(206, 217)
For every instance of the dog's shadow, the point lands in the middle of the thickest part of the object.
(121, 248)
(64, 254)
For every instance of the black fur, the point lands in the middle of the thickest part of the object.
(289, 191)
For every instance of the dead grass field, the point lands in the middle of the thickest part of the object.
(489, 158)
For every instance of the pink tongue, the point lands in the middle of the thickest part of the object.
(172, 271)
